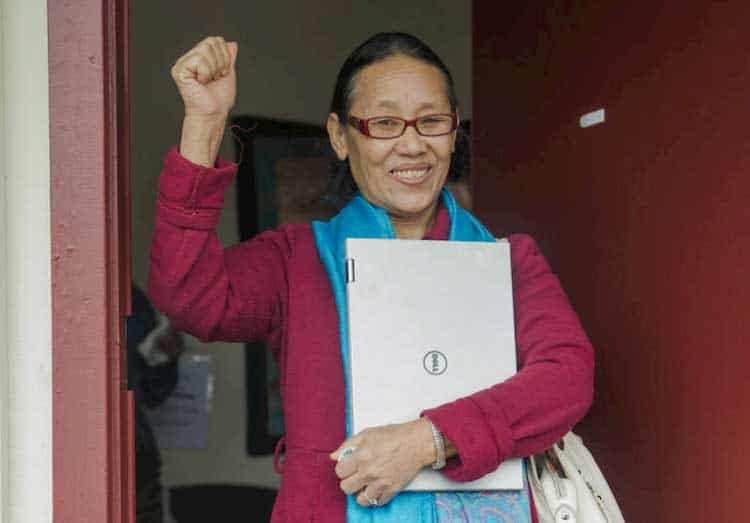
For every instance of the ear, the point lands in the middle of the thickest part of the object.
(455, 133)
(337, 136)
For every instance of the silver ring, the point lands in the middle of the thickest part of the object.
(373, 502)
(348, 451)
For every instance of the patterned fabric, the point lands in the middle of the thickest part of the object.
(360, 219)
(483, 507)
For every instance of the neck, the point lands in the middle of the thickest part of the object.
(414, 227)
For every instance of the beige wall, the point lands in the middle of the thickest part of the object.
(290, 52)
(25, 271)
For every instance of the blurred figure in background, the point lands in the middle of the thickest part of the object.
(153, 350)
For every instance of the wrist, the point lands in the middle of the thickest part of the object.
(201, 138)
(435, 455)
(206, 120)
(439, 442)
(426, 447)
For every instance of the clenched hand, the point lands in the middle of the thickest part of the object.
(206, 80)
(385, 460)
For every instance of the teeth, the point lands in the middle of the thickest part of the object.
(411, 173)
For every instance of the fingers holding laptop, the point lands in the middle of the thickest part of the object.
(379, 462)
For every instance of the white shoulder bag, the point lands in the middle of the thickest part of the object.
(568, 487)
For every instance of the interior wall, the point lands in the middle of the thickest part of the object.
(25, 265)
(289, 54)
(644, 217)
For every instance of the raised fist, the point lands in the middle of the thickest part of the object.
(205, 77)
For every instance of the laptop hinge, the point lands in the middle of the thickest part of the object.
(350, 276)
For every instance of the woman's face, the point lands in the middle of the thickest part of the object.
(402, 175)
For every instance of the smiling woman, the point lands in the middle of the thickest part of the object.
(393, 125)
(403, 171)
(395, 89)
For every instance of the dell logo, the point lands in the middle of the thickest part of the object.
(435, 362)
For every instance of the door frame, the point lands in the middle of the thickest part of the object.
(92, 415)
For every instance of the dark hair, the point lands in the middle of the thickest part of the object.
(375, 49)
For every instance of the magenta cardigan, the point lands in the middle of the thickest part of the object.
(274, 287)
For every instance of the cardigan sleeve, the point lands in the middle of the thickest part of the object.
(551, 391)
(215, 293)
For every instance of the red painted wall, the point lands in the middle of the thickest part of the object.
(646, 218)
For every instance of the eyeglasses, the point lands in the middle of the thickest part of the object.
(383, 127)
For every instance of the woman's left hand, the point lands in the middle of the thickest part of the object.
(384, 460)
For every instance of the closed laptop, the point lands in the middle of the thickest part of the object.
(429, 322)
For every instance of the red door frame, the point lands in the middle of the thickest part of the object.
(92, 416)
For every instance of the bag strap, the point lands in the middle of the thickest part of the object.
(575, 457)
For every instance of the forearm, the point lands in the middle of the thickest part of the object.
(512, 419)
(551, 392)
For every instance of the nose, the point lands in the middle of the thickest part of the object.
(411, 143)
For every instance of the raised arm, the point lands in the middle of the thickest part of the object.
(233, 294)
(206, 79)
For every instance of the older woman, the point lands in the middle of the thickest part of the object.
(393, 124)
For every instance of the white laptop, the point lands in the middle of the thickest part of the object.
(429, 322)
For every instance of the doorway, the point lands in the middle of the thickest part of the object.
(289, 54)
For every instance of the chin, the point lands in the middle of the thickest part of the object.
(416, 204)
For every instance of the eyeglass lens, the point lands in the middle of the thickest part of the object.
(430, 125)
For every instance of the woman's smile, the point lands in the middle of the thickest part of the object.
(411, 174)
